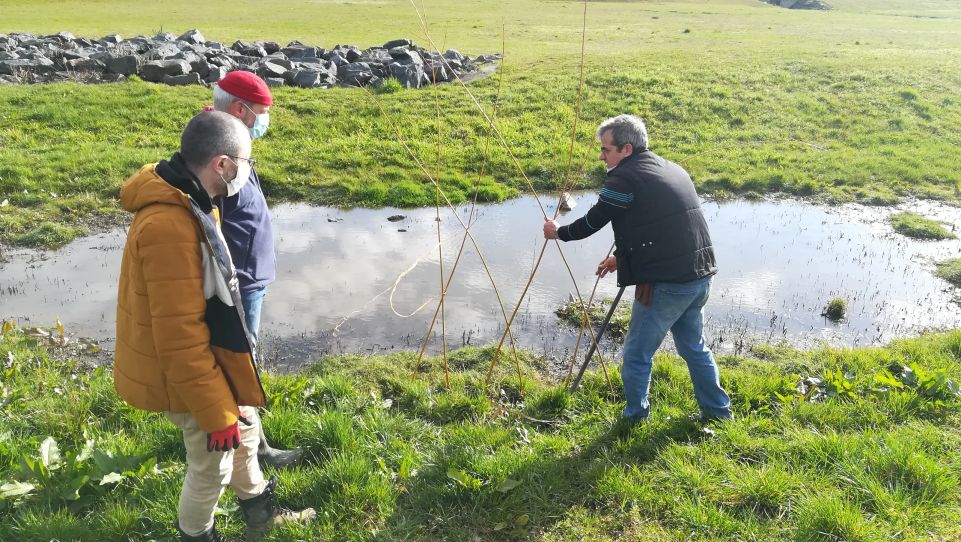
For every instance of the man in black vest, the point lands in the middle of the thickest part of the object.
(664, 248)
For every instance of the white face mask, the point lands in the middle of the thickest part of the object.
(238, 182)
(261, 122)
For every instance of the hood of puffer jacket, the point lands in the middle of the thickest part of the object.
(169, 182)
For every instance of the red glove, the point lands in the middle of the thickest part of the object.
(225, 439)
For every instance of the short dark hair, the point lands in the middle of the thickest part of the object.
(210, 134)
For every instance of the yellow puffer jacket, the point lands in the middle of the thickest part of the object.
(181, 342)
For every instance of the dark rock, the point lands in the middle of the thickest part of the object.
(337, 59)
(273, 69)
(311, 78)
(37, 66)
(7, 55)
(249, 49)
(9, 79)
(356, 74)
(436, 71)
(216, 74)
(244, 60)
(156, 70)
(408, 70)
(163, 51)
(123, 65)
(182, 80)
(453, 54)
(395, 218)
(271, 47)
(274, 81)
(309, 62)
(62, 37)
(376, 56)
(75, 54)
(86, 65)
(192, 36)
(223, 61)
(401, 53)
(200, 66)
(799, 4)
(397, 43)
(113, 39)
(353, 54)
(165, 36)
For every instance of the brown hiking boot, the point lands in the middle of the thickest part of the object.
(262, 514)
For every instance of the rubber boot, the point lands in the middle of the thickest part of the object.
(210, 536)
(262, 514)
(272, 457)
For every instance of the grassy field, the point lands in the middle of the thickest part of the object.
(858, 103)
(870, 453)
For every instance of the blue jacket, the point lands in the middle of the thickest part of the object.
(250, 236)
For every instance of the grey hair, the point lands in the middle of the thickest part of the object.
(625, 129)
(223, 99)
(210, 134)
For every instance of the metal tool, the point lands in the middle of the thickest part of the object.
(597, 339)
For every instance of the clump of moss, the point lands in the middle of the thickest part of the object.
(918, 227)
(949, 270)
(835, 309)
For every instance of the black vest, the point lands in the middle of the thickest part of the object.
(663, 237)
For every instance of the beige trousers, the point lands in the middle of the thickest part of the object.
(209, 472)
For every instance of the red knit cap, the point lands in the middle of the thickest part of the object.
(246, 86)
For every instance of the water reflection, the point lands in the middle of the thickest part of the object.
(780, 262)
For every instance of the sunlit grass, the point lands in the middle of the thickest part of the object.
(393, 458)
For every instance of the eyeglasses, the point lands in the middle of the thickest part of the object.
(250, 161)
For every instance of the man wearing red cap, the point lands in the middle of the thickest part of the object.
(246, 221)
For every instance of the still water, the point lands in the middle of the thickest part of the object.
(337, 287)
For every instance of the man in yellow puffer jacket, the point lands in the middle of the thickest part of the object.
(182, 347)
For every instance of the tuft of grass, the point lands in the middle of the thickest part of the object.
(836, 309)
(830, 517)
(949, 270)
(572, 314)
(388, 86)
(919, 227)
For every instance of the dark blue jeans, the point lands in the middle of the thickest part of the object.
(680, 309)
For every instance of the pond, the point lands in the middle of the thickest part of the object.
(352, 281)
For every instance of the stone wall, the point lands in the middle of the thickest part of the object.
(799, 4)
(190, 59)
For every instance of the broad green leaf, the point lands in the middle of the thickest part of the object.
(49, 453)
(508, 485)
(464, 479)
(15, 489)
(522, 520)
(112, 478)
(86, 452)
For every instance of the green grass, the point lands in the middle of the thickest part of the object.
(919, 227)
(858, 103)
(836, 309)
(572, 314)
(949, 270)
(870, 454)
